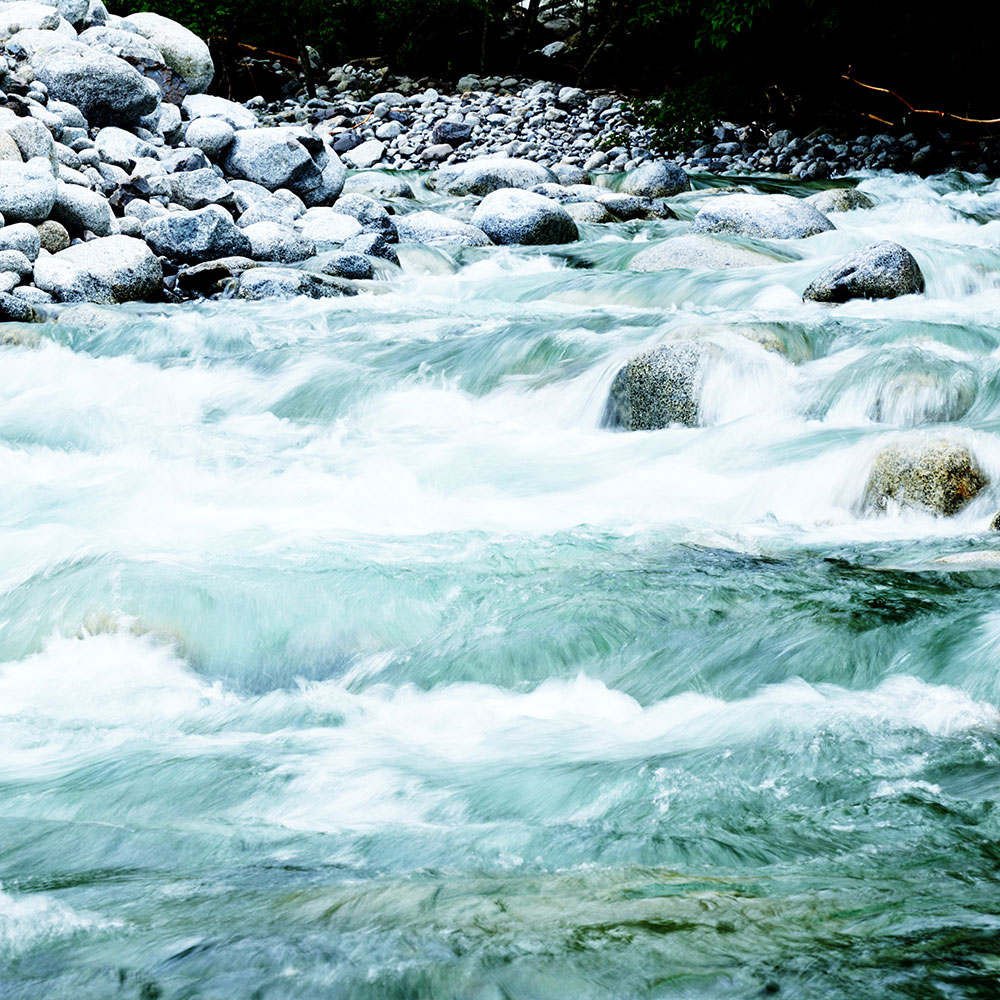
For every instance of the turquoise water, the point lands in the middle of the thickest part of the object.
(343, 654)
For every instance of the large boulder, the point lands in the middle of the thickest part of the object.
(128, 45)
(771, 216)
(195, 237)
(659, 387)
(435, 229)
(510, 215)
(378, 185)
(183, 51)
(372, 216)
(279, 158)
(881, 270)
(20, 16)
(112, 269)
(930, 474)
(209, 106)
(271, 241)
(27, 190)
(199, 188)
(82, 210)
(486, 174)
(328, 226)
(657, 179)
(695, 251)
(105, 88)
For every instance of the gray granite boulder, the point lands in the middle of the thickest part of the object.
(199, 188)
(279, 158)
(281, 282)
(211, 135)
(21, 236)
(82, 210)
(771, 216)
(183, 51)
(657, 179)
(659, 387)
(696, 252)
(15, 262)
(366, 155)
(128, 45)
(881, 270)
(588, 211)
(195, 237)
(122, 148)
(21, 16)
(937, 475)
(486, 174)
(372, 216)
(435, 229)
(343, 264)
(271, 241)
(510, 215)
(112, 269)
(839, 200)
(208, 106)
(105, 88)
(327, 225)
(27, 190)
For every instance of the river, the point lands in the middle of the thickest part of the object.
(343, 653)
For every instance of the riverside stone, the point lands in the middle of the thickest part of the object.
(378, 185)
(27, 190)
(658, 179)
(940, 476)
(209, 106)
(772, 216)
(183, 51)
(271, 241)
(881, 270)
(280, 282)
(21, 236)
(81, 210)
(52, 236)
(327, 225)
(372, 216)
(344, 264)
(105, 88)
(510, 215)
(111, 269)
(659, 387)
(486, 174)
(211, 135)
(195, 237)
(839, 200)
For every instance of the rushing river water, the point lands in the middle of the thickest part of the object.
(344, 654)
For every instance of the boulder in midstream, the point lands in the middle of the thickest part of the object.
(763, 217)
(881, 270)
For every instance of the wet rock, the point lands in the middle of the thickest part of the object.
(510, 215)
(935, 475)
(839, 200)
(373, 245)
(880, 271)
(772, 216)
(435, 229)
(659, 387)
(183, 51)
(279, 282)
(213, 275)
(657, 179)
(27, 190)
(14, 309)
(695, 251)
(347, 265)
(588, 211)
(194, 237)
(111, 269)
(372, 216)
(486, 174)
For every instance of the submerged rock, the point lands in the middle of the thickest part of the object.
(434, 229)
(764, 217)
(935, 475)
(280, 282)
(659, 387)
(695, 251)
(839, 200)
(880, 271)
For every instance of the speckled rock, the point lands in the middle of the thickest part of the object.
(194, 237)
(839, 200)
(27, 190)
(81, 210)
(879, 271)
(372, 216)
(280, 282)
(771, 216)
(695, 251)
(52, 236)
(343, 264)
(378, 185)
(657, 179)
(588, 211)
(486, 174)
(271, 241)
(183, 51)
(659, 388)
(211, 135)
(21, 236)
(931, 474)
(435, 229)
(512, 216)
(112, 269)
